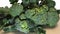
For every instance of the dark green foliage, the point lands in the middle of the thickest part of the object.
(29, 16)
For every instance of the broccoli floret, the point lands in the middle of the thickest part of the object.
(22, 26)
(16, 9)
(25, 2)
(52, 18)
(22, 16)
(38, 15)
(9, 29)
(51, 4)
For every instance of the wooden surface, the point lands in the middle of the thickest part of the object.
(55, 30)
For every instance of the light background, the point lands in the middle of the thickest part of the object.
(56, 30)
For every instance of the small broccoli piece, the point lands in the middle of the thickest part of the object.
(53, 17)
(5, 21)
(13, 1)
(29, 13)
(51, 4)
(9, 29)
(22, 16)
(16, 9)
(38, 15)
(25, 2)
(40, 30)
(22, 26)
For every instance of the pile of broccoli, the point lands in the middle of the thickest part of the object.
(29, 16)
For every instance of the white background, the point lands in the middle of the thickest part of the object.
(4, 3)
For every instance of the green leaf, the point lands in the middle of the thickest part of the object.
(16, 9)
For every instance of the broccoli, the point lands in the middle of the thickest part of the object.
(29, 16)
(53, 17)
(9, 29)
(14, 11)
(38, 15)
(22, 26)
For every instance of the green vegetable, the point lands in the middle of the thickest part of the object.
(9, 29)
(22, 26)
(53, 17)
(25, 2)
(38, 15)
(29, 16)
(22, 16)
(16, 9)
(51, 4)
